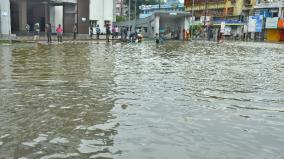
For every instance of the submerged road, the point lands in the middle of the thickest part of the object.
(142, 101)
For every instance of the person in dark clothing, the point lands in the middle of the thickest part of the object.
(157, 37)
(74, 31)
(98, 30)
(91, 31)
(48, 32)
(108, 32)
(125, 33)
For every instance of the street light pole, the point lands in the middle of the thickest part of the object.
(129, 9)
(205, 12)
(135, 14)
(192, 15)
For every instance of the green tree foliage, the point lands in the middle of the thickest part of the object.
(139, 3)
(120, 18)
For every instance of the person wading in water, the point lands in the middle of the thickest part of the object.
(98, 30)
(48, 32)
(108, 32)
(59, 32)
(75, 31)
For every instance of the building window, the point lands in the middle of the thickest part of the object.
(145, 29)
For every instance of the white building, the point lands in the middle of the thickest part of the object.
(102, 12)
(121, 8)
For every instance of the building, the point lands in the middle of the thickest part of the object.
(214, 12)
(16, 14)
(271, 13)
(220, 9)
(161, 22)
(121, 8)
(170, 5)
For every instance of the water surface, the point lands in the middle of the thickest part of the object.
(143, 101)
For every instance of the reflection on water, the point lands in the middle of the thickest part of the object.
(179, 100)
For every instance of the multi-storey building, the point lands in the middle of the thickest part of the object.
(16, 14)
(220, 8)
(170, 5)
(272, 12)
(121, 8)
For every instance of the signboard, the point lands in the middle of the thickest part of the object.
(271, 23)
(259, 22)
(174, 14)
(245, 28)
(227, 30)
(222, 29)
(251, 24)
(280, 23)
(208, 20)
(255, 23)
(4, 13)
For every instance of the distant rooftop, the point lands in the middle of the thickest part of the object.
(168, 4)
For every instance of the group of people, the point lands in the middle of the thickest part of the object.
(113, 33)
(48, 31)
(136, 36)
(59, 32)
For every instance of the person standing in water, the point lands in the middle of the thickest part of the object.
(91, 31)
(157, 37)
(108, 32)
(48, 32)
(28, 28)
(75, 31)
(36, 32)
(98, 31)
(59, 32)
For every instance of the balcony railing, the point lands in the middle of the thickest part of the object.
(208, 1)
(215, 12)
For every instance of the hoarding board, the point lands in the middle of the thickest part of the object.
(259, 22)
(251, 24)
(271, 23)
(255, 23)
(222, 29)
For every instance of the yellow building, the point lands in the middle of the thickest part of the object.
(220, 8)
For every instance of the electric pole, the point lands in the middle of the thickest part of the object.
(129, 9)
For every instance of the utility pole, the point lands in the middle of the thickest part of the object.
(129, 9)
(135, 15)
(192, 15)
(159, 4)
(205, 12)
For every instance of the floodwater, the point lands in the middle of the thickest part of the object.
(142, 101)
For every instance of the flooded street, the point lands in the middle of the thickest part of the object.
(142, 101)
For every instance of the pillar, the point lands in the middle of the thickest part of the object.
(46, 12)
(83, 13)
(5, 17)
(280, 12)
(22, 15)
(186, 23)
(157, 25)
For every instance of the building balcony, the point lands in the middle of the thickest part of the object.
(206, 1)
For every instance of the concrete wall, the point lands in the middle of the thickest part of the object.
(5, 20)
(102, 11)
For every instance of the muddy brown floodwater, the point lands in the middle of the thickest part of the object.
(142, 101)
